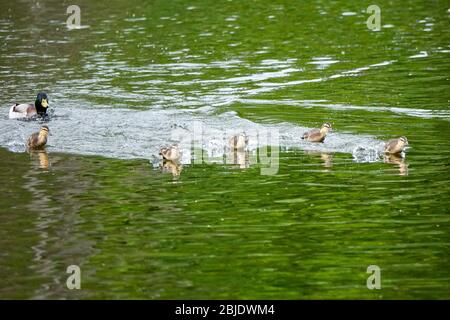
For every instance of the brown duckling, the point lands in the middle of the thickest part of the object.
(38, 140)
(26, 110)
(317, 135)
(171, 153)
(238, 142)
(395, 146)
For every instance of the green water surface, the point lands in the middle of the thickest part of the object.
(219, 231)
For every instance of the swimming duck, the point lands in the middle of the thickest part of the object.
(395, 146)
(238, 142)
(38, 140)
(171, 153)
(317, 135)
(26, 110)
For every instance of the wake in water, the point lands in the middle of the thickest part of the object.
(128, 134)
(368, 154)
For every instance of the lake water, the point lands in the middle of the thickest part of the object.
(286, 219)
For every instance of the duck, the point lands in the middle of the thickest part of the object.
(25, 110)
(238, 142)
(317, 135)
(171, 153)
(396, 146)
(38, 140)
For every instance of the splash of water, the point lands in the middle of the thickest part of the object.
(128, 134)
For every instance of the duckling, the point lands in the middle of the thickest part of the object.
(171, 153)
(318, 135)
(38, 140)
(25, 110)
(238, 142)
(395, 146)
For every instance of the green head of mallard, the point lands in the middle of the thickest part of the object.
(41, 103)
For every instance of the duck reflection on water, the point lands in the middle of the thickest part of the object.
(39, 158)
(173, 167)
(399, 160)
(239, 157)
(327, 158)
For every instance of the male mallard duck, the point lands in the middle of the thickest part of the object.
(171, 153)
(317, 135)
(238, 142)
(395, 146)
(26, 110)
(38, 139)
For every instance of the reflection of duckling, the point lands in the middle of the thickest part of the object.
(171, 167)
(317, 135)
(42, 158)
(327, 158)
(238, 142)
(398, 160)
(26, 110)
(38, 140)
(240, 157)
(395, 146)
(171, 153)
